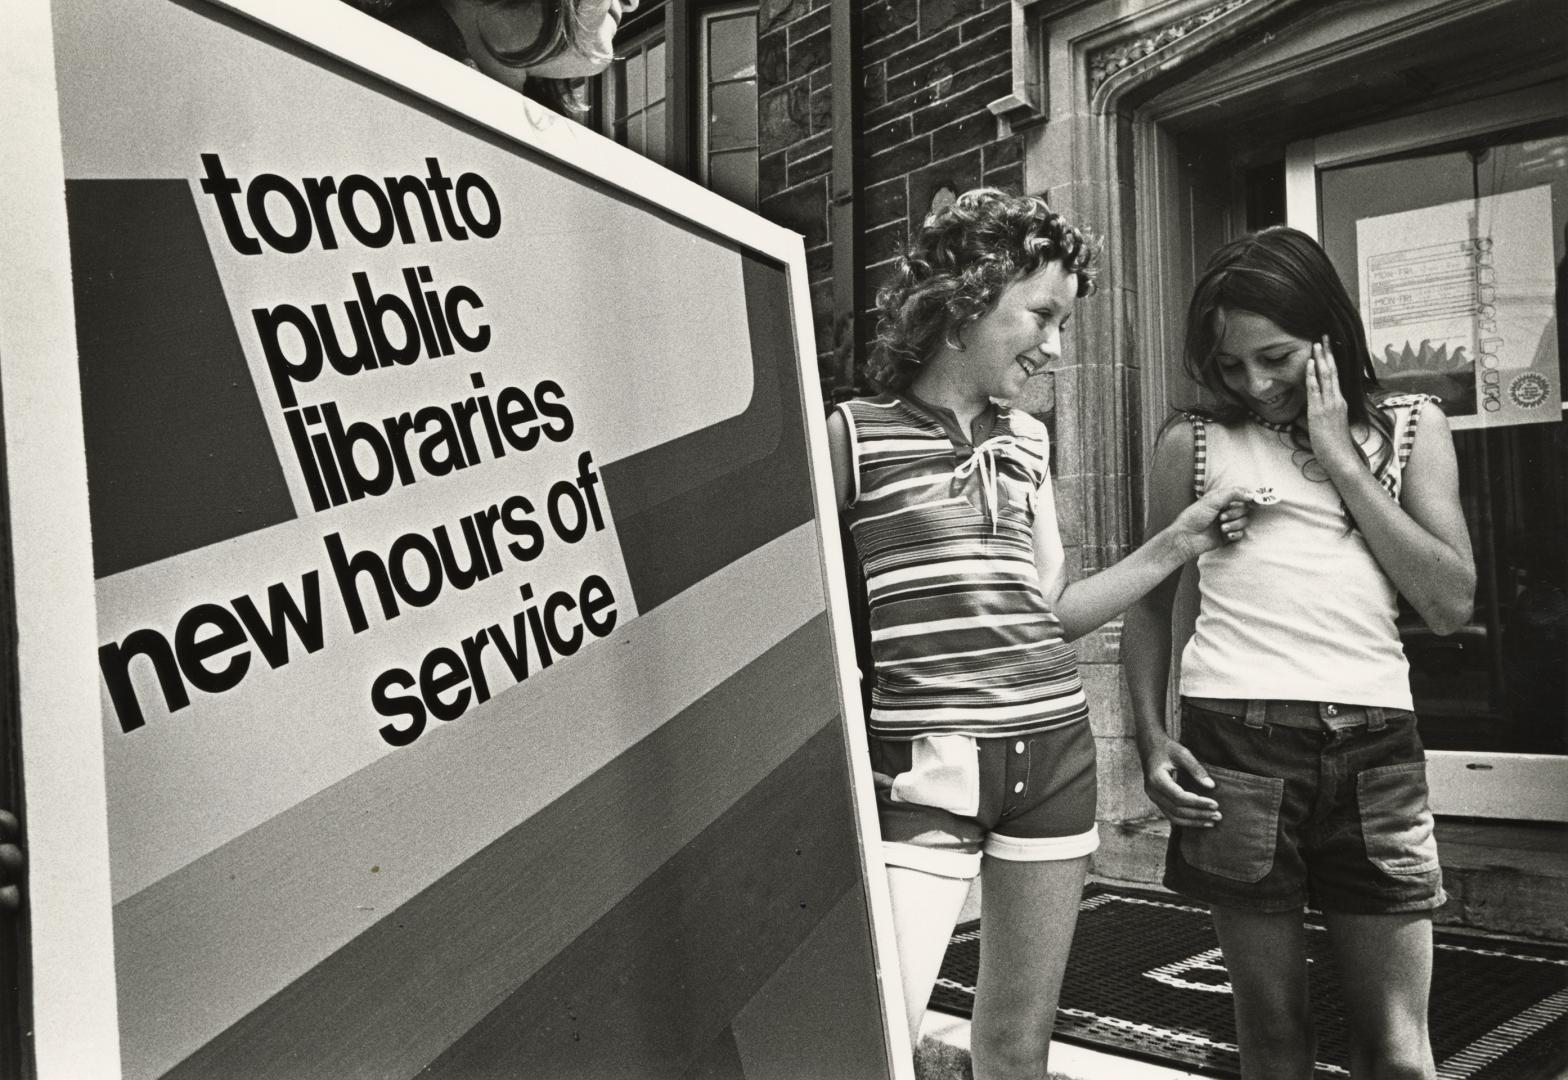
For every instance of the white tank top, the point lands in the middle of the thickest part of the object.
(1300, 609)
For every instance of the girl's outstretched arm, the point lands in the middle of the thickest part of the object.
(1091, 602)
(1147, 646)
(1421, 542)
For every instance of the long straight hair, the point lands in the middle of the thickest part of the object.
(1285, 276)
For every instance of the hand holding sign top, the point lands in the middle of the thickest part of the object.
(541, 49)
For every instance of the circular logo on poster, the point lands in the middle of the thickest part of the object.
(1529, 390)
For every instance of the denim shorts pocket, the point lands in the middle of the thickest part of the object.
(1240, 846)
(1396, 824)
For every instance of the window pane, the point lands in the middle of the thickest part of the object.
(656, 72)
(634, 132)
(656, 136)
(1490, 686)
(734, 175)
(732, 48)
(732, 121)
(635, 82)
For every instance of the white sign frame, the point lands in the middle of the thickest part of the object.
(68, 889)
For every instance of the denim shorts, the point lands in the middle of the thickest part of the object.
(1331, 813)
(944, 801)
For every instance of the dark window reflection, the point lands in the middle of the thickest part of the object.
(636, 98)
(1498, 684)
(730, 74)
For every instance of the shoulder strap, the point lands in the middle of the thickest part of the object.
(1406, 433)
(1033, 446)
(1200, 454)
(1405, 414)
(846, 409)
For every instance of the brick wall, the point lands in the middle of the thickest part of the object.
(930, 68)
(795, 137)
(795, 131)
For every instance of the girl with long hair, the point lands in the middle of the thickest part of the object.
(1299, 776)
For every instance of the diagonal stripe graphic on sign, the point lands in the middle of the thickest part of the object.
(436, 966)
(794, 1025)
(645, 990)
(674, 531)
(259, 911)
(178, 453)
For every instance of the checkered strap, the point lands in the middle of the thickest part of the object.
(1200, 454)
(1405, 412)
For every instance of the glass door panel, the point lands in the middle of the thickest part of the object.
(1462, 245)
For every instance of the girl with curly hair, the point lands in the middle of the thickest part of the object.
(978, 726)
(1298, 776)
(542, 48)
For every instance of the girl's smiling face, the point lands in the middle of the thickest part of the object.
(1262, 365)
(1022, 334)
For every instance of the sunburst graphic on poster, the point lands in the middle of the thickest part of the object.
(1458, 301)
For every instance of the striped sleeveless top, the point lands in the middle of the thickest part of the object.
(962, 639)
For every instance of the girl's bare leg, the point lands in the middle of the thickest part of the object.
(1266, 956)
(1028, 913)
(1385, 970)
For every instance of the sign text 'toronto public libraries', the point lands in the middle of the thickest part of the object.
(343, 459)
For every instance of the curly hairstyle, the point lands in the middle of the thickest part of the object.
(954, 272)
(560, 31)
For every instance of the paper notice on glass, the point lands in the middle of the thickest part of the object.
(1458, 302)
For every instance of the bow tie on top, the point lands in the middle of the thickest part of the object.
(983, 461)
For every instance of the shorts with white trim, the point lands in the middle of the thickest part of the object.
(944, 800)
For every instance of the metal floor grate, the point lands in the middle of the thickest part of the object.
(1146, 979)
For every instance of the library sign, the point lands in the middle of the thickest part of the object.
(466, 631)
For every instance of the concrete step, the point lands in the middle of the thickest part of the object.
(1131, 852)
(1502, 877)
(1505, 877)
